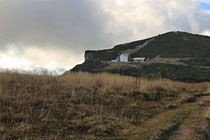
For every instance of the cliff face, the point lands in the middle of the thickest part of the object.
(89, 55)
(101, 55)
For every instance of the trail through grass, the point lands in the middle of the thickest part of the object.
(94, 106)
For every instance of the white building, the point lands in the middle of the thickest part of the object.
(114, 61)
(137, 59)
(124, 57)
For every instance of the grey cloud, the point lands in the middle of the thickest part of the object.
(67, 24)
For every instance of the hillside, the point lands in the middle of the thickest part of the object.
(102, 106)
(175, 55)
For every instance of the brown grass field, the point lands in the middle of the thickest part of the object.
(101, 106)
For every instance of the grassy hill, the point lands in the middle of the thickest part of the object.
(174, 55)
(101, 106)
(177, 45)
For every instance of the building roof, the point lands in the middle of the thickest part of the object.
(125, 54)
(139, 58)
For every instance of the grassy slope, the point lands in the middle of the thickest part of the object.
(168, 45)
(177, 45)
(196, 48)
(176, 72)
(91, 106)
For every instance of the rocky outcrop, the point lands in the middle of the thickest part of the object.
(89, 55)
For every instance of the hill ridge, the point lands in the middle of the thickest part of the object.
(174, 55)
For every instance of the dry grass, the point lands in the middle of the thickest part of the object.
(175, 61)
(83, 105)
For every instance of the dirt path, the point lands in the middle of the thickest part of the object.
(160, 125)
(181, 134)
(186, 131)
(174, 61)
(137, 48)
(186, 122)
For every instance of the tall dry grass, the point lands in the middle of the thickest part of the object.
(83, 105)
(110, 83)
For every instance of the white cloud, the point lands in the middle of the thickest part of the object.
(207, 32)
(139, 18)
(34, 57)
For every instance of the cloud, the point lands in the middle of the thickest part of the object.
(35, 57)
(207, 32)
(51, 23)
(145, 18)
(54, 33)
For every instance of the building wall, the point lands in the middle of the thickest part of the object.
(142, 59)
(123, 58)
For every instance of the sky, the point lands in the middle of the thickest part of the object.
(54, 34)
(205, 5)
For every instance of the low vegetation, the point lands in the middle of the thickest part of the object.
(95, 106)
(182, 73)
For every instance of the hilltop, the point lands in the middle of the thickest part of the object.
(174, 55)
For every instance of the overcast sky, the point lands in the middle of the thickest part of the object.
(55, 33)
